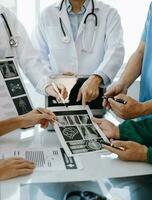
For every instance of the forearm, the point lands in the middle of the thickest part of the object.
(9, 125)
(133, 67)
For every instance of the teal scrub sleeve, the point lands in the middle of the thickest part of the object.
(144, 34)
(149, 155)
(140, 131)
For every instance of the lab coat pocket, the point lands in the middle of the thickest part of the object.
(55, 38)
(5, 50)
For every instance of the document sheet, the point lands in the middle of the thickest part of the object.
(14, 99)
(45, 159)
(76, 131)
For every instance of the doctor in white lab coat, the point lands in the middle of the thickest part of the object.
(71, 42)
(24, 53)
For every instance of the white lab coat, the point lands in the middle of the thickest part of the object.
(26, 56)
(108, 52)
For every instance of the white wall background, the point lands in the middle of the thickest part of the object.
(8, 3)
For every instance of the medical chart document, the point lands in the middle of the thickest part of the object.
(45, 158)
(76, 131)
(14, 99)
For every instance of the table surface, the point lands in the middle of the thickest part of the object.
(96, 166)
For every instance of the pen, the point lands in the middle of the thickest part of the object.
(117, 100)
(55, 121)
(57, 91)
(112, 145)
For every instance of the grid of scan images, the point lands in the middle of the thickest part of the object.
(15, 87)
(78, 131)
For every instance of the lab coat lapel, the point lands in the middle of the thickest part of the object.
(89, 9)
(65, 19)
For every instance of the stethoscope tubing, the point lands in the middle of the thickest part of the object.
(7, 25)
(12, 41)
(85, 20)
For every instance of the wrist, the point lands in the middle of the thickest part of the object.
(19, 122)
(144, 154)
(98, 79)
(117, 133)
(146, 108)
(124, 84)
(47, 88)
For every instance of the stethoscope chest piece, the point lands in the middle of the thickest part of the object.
(13, 42)
(66, 39)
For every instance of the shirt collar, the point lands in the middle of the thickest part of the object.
(83, 8)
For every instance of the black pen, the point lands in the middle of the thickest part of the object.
(117, 100)
(112, 145)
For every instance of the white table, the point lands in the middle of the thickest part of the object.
(95, 166)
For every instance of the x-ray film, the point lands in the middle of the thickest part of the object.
(14, 99)
(76, 131)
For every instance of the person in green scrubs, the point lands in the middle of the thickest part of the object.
(136, 139)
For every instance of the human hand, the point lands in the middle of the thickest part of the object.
(39, 116)
(89, 90)
(13, 167)
(51, 91)
(108, 128)
(130, 110)
(115, 89)
(132, 151)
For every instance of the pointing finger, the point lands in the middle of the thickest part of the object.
(79, 95)
(84, 99)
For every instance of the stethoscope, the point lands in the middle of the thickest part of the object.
(66, 38)
(12, 40)
(86, 195)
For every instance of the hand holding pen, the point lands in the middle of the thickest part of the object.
(126, 107)
(53, 119)
(118, 100)
(112, 145)
(58, 91)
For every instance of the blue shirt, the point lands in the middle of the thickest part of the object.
(75, 20)
(146, 73)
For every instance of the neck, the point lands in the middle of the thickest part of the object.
(76, 5)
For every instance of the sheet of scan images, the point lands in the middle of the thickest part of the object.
(14, 99)
(76, 132)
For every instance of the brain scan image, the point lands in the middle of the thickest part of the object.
(71, 133)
